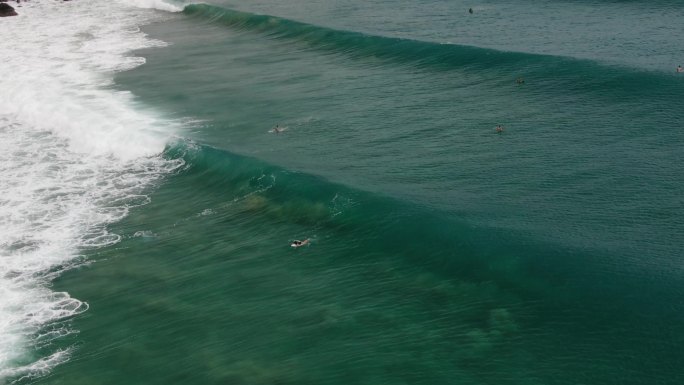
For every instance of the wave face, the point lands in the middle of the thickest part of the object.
(74, 158)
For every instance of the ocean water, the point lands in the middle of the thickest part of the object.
(147, 207)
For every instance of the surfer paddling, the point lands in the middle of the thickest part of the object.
(499, 128)
(298, 243)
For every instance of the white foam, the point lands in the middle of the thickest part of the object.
(37, 368)
(155, 4)
(75, 156)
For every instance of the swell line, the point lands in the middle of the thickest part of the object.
(571, 75)
(357, 44)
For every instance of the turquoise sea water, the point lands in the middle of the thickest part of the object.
(441, 251)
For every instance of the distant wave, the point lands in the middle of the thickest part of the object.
(570, 74)
(355, 44)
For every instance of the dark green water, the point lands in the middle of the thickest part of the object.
(217, 296)
(441, 251)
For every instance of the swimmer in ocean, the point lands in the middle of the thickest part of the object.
(680, 69)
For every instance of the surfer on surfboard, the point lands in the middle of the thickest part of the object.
(277, 129)
(298, 243)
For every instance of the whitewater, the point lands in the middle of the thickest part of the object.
(75, 156)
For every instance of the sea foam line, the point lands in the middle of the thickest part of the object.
(74, 158)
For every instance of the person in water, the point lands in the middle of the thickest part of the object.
(520, 80)
(277, 129)
(680, 69)
(499, 128)
(298, 243)
(470, 10)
